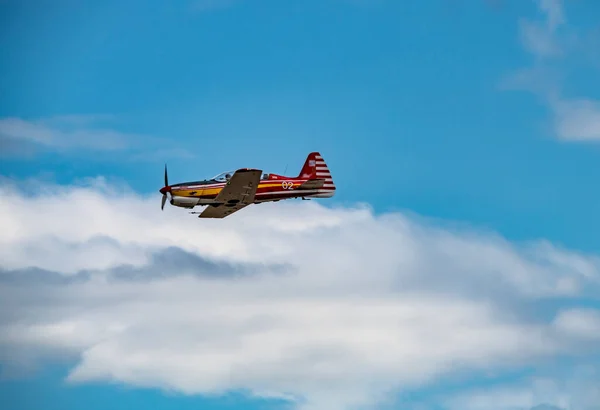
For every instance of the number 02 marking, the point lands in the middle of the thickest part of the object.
(287, 184)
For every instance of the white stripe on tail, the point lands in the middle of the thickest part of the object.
(315, 167)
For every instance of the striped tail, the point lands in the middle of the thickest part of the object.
(315, 167)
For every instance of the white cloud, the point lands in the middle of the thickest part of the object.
(335, 307)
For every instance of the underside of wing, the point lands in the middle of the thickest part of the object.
(221, 211)
(238, 193)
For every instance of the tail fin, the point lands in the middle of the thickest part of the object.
(316, 168)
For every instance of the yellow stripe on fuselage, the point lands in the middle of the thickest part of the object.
(199, 192)
(196, 192)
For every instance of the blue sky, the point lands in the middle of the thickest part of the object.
(409, 94)
(478, 113)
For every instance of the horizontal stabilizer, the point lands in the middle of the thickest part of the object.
(313, 184)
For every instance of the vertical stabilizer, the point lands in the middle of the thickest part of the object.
(316, 168)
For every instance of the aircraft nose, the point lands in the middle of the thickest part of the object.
(165, 189)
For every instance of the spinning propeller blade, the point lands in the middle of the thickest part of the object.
(164, 190)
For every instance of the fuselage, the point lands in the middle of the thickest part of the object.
(271, 187)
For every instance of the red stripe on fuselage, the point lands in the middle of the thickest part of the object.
(266, 193)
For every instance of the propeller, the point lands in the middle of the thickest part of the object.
(165, 189)
(162, 204)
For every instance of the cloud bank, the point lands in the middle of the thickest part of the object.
(331, 308)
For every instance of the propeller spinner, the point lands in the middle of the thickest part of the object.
(165, 189)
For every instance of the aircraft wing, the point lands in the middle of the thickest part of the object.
(221, 211)
(237, 194)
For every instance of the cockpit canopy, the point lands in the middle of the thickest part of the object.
(225, 176)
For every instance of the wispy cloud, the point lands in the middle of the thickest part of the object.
(63, 134)
(550, 39)
(73, 133)
(331, 307)
(574, 389)
(577, 120)
(540, 37)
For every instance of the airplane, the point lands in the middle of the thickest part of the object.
(230, 191)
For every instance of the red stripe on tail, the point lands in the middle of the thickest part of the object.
(315, 167)
(309, 170)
